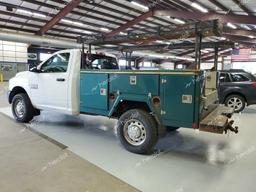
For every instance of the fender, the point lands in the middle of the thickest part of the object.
(20, 83)
(131, 97)
(140, 98)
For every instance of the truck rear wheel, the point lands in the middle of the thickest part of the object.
(22, 109)
(137, 131)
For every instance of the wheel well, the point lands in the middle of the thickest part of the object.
(124, 106)
(15, 91)
(235, 93)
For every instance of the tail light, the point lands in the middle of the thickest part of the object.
(254, 84)
(195, 126)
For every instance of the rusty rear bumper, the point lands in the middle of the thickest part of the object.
(218, 121)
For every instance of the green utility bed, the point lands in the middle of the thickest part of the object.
(173, 96)
(147, 103)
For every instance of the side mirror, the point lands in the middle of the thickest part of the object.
(34, 70)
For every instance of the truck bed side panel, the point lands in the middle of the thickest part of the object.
(94, 93)
(178, 100)
(134, 84)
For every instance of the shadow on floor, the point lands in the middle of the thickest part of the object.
(195, 148)
(177, 143)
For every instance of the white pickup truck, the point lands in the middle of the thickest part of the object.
(53, 84)
(146, 103)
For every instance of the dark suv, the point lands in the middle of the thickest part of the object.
(237, 89)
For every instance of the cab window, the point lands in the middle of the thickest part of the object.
(56, 64)
(100, 62)
(104, 63)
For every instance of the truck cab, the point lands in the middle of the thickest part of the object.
(54, 83)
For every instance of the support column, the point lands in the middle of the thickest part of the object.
(216, 57)
(198, 48)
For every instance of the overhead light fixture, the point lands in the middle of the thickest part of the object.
(179, 21)
(87, 32)
(31, 13)
(230, 25)
(140, 5)
(122, 33)
(66, 21)
(24, 11)
(158, 41)
(104, 29)
(199, 7)
(78, 23)
(246, 27)
(222, 38)
(39, 15)
(204, 51)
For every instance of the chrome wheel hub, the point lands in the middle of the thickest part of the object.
(20, 108)
(235, 103)
(134, 132)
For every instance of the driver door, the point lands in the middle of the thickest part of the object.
(52, 83)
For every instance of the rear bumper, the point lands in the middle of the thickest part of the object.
(218, 121)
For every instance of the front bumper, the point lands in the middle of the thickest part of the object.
(8, 96)
(218, 121)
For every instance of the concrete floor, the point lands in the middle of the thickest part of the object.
(30, 163)
(185, 160)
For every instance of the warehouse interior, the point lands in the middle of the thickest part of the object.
(59, 151)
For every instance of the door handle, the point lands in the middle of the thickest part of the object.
(60, 79)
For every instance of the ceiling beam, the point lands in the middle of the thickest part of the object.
(242, 6)
(165, 47)
(186, 53)
(33, 32)
(239, 32)
(130, 23)
(209, 28)
(43, 21)
(221, 6)
(212, 56)
(63, 12)
(108, 12)
(225, 18)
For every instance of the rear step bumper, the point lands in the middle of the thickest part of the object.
(218, 121)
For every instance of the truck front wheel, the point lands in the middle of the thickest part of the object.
(137, 131)
(22, 109)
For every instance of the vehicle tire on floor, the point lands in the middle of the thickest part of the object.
(22, 109)
(137, 131)
(235, 101)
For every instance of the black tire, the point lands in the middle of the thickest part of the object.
(148, 131)
(231, 101)
(28, 110)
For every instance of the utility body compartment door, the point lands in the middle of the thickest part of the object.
(94, 93)
(178, 100)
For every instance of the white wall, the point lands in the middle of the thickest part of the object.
(247, 66)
